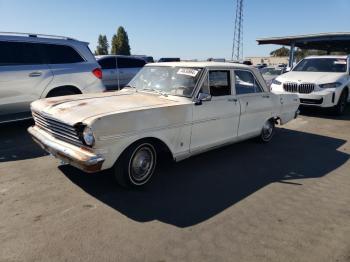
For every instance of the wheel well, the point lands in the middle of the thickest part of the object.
(162, 149)
(59, 88)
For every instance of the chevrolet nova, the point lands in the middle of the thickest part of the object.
(181, 108)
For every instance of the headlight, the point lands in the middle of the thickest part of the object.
(276, 82)
(331, 85)
(88, 136)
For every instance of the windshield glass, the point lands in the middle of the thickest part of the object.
(271, 71)
(179, 81)
(334, 65)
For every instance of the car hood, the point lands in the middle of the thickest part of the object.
(310, 77)
(87, 107)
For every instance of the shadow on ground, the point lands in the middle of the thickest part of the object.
(192, 191)
(326, 113)
(16, 143)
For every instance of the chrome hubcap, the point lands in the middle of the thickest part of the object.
(142, 163)
(267, 130)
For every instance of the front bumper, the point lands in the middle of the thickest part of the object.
(79, 157)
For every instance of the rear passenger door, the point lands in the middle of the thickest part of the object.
(128, 68)
(256, 104)
(23, 77)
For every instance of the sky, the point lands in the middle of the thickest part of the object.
(176, 28)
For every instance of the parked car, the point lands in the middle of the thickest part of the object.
(319, 81)
(34, 66)
(119, 70)
(183, 109)
(270, 73)
(169, 59)
(148, 59)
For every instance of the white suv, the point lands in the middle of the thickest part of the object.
(322, 81)
(37, 66)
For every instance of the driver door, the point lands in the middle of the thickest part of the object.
(216, 121)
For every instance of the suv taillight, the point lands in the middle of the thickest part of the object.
(97, 72)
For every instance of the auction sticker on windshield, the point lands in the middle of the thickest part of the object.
(187, 71)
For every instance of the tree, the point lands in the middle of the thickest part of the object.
(283, 51)
(102, 46)
(120, 43)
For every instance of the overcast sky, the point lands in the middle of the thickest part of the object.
(176, 28)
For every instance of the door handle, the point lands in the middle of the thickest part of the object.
(35, 74)
(266, 96)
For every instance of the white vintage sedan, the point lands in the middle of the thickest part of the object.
(180, 108)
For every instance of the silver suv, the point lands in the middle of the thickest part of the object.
(34, 66)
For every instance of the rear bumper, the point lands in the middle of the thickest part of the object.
(76, 156)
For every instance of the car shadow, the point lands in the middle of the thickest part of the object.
(16, 143)
(324, 113)
(189, 192)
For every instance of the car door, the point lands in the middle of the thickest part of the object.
(216, 121)
(256, 104)
(109, 72)
(128, 68)
(23, 77)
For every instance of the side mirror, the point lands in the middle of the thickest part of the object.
(202, 97)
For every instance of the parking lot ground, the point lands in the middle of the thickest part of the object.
(288, 200)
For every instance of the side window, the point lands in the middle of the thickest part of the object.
(217, 83)
(137, 62)
(245, 83)
(19, 53)
(124, 62)
(61, 54)
(107, 63)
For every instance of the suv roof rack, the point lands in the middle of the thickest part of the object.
(37, 35)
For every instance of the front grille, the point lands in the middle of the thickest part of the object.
(290, 87)
(311, 101)
(303, 88)
(57, 129)
(306, 88)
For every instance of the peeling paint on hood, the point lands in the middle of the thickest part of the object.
(77, 108)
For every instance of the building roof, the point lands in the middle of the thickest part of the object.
(324, 41)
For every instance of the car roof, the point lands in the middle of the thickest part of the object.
(201, 64)
(121, 56)
(327, 56)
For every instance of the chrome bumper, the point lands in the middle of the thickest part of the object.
(79, 157)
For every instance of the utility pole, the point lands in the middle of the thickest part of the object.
(237, 46)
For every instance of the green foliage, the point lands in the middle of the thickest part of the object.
(120, 43)
(102, 47)
(283, 51)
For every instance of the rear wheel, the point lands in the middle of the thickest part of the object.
(339, 109)
(61, 92)
(267, 131)
(136, 165)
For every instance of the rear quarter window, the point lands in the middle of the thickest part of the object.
(61, 54)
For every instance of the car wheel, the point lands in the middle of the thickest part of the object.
(61, 92)
(267, 131)
(339, 109)
(136, 165)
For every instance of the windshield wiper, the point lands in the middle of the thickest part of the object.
(155, 90)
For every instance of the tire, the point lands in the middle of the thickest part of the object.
(340, 108)
(267, 131)
(61, 92)
(136, 166)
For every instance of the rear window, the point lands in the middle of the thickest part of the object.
(61, 54)
(124, 62)
(20, 53)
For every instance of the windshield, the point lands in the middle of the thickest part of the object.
(334, 65)
(179, 81)
(271, 71)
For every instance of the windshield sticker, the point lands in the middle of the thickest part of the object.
(340, 62)
(187, 71)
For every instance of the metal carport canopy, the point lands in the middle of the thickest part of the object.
(330, 42)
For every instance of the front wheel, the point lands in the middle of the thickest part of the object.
(136, 165)
(267, 131)
(339, 109)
